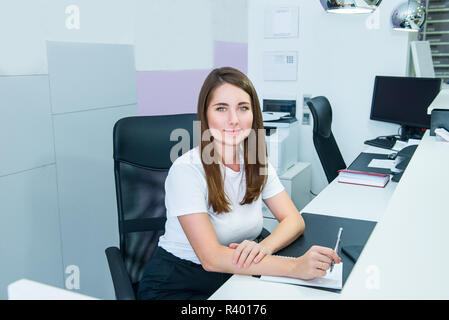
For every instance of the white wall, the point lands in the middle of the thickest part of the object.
(230, 20)
(338, 57)
(173, 35)
(36, 238)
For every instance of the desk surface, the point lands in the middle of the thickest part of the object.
(406, 255)
(25, 289)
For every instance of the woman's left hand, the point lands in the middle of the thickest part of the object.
(248, 252)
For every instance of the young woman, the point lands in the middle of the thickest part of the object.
(214, 196)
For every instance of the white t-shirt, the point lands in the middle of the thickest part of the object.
(186, 193)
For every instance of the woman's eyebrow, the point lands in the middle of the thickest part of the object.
(225, 104)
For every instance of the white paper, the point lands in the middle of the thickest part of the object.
(399, 145)
(412, 142)
(382, 163)
(280, 65)
(332, 280)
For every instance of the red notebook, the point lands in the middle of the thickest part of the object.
(371, 179)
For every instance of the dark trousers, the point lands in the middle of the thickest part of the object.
(167, 277)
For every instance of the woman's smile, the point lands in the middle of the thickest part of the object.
(232, 132)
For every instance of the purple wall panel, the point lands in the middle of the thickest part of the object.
(231, 54)
(174, 92)
(169, 92)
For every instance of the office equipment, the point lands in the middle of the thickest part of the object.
(141, 165)
(404, 100)
(280, 65)
(273, 116)
(336, 245)
(320, 231)
(386, 142)
(282, 133)
(370, 179)
(323, 138)
(284, 108)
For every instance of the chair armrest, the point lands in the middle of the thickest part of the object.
(120, 278)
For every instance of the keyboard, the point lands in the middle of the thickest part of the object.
(384, 143)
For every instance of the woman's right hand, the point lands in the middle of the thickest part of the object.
(314, 263)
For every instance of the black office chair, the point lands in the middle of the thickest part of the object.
(141, 162)
(323, 139)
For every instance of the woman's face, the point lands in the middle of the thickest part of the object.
(229, 114)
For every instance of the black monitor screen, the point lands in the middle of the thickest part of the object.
(404, 100)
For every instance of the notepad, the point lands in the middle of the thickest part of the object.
(332, 280)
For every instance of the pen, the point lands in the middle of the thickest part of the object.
(336, 246)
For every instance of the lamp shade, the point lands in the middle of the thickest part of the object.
(350, 6)
(408, 16)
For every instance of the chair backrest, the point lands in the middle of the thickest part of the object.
(323, 139)
(142, 148)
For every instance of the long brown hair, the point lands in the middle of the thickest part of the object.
(255, 181)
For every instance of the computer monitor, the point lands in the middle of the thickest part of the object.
(404, 100)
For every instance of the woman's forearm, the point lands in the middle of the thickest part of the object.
(221, 261)
(288, 230)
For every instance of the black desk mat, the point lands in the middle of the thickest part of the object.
(362, 161)
(322, 230)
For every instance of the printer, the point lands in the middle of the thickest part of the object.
(282, 133)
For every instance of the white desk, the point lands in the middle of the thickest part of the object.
(405, 256)
(25, 289)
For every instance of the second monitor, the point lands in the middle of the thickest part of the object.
(404, 100)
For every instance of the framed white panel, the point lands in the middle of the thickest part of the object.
(281, 22)
(87, 76)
